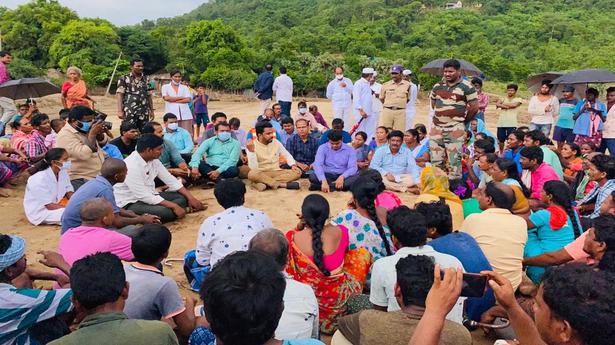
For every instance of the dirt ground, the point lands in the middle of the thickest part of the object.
(281, 205)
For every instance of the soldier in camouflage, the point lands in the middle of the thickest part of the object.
(455, 102)
(134, 97)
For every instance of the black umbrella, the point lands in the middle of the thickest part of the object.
(436, 66)
(27, 88)
(587, 76)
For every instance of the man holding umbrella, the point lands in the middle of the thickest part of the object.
(362, 103)
(7, 106)
(454, 101)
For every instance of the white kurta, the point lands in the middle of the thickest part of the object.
(341, 100)
(42, 189)
(181, 110)
(363, 99)
(411, 106)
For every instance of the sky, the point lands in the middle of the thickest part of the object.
(123, 12)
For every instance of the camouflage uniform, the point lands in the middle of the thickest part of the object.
(136, 100)
(447, 133)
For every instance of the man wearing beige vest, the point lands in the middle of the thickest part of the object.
(83, 139)
(264, 161)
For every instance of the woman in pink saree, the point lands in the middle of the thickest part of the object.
(74, 90)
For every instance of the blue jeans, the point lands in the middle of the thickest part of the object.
(610, 145)
(285, 107)
(544, 128)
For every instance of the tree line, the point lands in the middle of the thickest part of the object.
(225, 43)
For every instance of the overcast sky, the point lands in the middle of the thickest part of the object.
(123, 12)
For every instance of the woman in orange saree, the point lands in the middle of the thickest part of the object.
(74, 90)
(318, 256)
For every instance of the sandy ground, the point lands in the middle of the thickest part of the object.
(282, 205)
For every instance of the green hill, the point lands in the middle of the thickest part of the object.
(224, 43)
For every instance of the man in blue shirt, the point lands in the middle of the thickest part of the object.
(335, 167)
(514, 145)
(113, 171)
(460, 245)
(302, 146)
(396, 164)
(263, 88)
(181, 138)
(563, 127)
(221, 155)
(337, 124)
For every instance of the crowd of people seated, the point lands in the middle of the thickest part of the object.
(515, 209)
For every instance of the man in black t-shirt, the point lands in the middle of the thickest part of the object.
(127, 141)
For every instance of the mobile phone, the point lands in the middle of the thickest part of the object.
(474, 284)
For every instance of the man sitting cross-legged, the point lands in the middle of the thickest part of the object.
(415, 275)
(113, 171)
(138, 192)
(217, 157)
(100, 291)
(335, 167)
(396, 164)
(224, 232)
(153, 296)
(302, 146)
(264, 161)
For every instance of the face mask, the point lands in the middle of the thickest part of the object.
(302, 110)
(66, 165)
(224, 136)
(174, 83)
(85, 126)
(173, 126)
(339, 76)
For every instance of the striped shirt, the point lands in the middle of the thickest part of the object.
(35, 146)
(21, 309)
(598, 195)
(451, 102)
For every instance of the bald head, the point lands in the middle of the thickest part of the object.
(273, 243)
(502, 196)
(94, 210)
(112, 168)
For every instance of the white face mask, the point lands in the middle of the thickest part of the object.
(172, 126)
(339, 76)
(302, 110)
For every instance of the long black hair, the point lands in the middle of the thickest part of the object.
(315, 212)
(510, 168)
(364, 192)
(561, 196)
(54, 154)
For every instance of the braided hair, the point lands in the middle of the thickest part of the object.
(364, 192)
(315, 211)
(561, 196)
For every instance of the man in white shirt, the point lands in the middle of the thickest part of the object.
(376, 102)
(138, 191)
(362, 97)
(264, 161)
(409, 233)
(411, 106)
(300, 316)
(231, 229)
(283, 88)
(339, 91)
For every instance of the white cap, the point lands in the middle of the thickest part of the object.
(368, 70)
(375, 73)
(406, 72)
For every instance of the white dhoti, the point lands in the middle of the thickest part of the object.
(410, 114)
(401, 183)
(344, 112)
(367, 125)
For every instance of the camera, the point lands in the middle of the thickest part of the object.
(101, 117)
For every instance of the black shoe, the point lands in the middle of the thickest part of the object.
(313, 188)
(293, 185)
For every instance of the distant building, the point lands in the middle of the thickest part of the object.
(454, 5)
